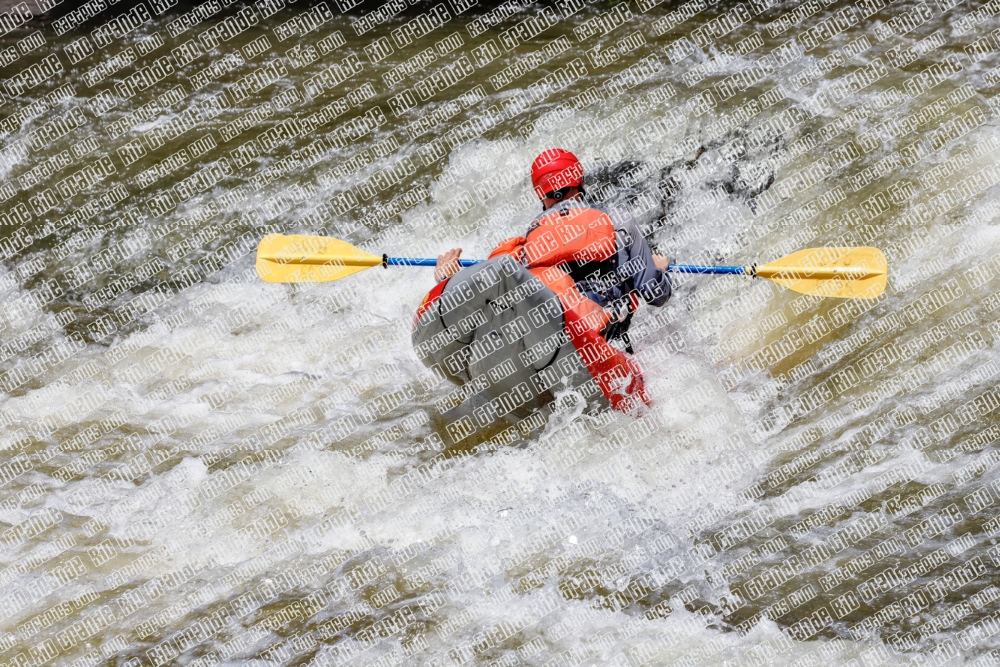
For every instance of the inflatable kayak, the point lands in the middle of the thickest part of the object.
(517, 336)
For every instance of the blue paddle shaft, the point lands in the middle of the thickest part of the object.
(695, 268)
(673, 268)
(426, 261)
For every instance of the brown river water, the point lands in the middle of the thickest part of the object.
(203, 469)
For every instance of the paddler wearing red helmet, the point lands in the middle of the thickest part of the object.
(600, 247)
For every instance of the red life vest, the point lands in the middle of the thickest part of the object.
(579, 235)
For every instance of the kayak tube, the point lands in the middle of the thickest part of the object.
(502, 332)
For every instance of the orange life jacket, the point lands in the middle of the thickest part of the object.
(570, 235)
(579, 235)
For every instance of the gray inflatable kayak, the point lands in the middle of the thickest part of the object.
(497, 329)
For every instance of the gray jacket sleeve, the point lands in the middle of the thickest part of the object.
(649, 281)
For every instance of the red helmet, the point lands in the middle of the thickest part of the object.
(555, 169)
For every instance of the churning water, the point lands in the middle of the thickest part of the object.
(199, 468)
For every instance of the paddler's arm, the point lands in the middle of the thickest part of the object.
(651, 280)
(662, 262)
(447, 265)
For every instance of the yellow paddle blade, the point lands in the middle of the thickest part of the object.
(309, 259)
(841, 273)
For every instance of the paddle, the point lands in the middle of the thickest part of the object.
(843, 273)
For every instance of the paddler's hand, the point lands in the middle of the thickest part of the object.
(661, 261)
(447, 264)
